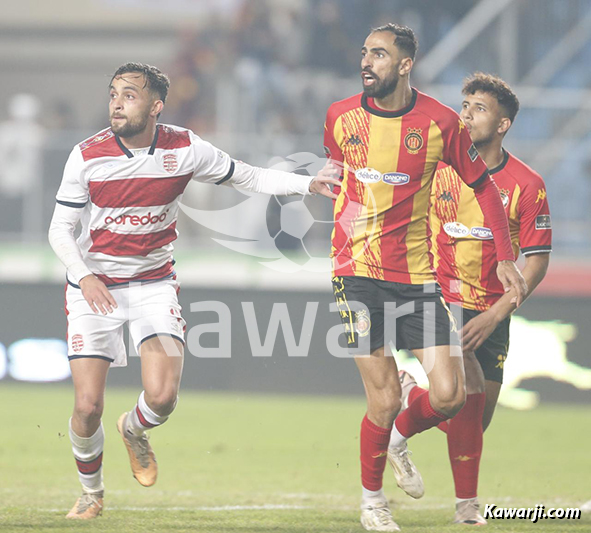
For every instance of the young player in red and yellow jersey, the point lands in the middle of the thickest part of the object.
(464, 257)
(390, 140)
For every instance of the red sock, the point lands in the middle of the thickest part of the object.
(411, 398)
(464, 443)
(419, 416)
(374, 449)
(414, 392)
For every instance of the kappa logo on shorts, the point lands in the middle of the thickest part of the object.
(362, 323)
(77, 343)
(170, 163)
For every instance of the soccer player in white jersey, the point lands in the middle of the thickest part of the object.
(124, 185)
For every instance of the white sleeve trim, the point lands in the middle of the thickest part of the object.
(61, 238)
(530, 252)
(269, 181)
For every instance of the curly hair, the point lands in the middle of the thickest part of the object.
(495, 86)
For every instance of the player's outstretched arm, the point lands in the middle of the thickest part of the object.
(281, 183)
(477, 330)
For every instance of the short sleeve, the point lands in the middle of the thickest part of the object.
(73, 190)
(535, 226)
(460, 152)
(212, 165)
(332, 149)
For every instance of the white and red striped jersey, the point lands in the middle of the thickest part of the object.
(130, 202)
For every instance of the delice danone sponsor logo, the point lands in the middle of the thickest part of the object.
(456, 229)
(484, 234)
(368, 175)
(395, 178)
(136, 220)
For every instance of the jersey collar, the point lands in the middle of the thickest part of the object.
(500, 167)
(369, 105)
(150, 151)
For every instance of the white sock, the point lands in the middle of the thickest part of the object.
(136, 425)
(460, 500)
(88, 452)
(372, 495)
(396, 438)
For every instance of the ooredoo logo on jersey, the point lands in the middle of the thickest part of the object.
(136, 220)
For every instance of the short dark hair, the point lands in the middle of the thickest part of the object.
(405, 40)
(156, 81)
(495, 86)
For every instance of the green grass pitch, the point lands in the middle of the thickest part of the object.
(255, 464)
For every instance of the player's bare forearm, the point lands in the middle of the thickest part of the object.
(97, 295)
(477, 330)
(512, 279)
(536, 266)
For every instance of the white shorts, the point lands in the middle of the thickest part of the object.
(149, 309)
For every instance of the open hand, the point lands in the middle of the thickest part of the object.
(327, 176)
(477, 330)
(97, 295)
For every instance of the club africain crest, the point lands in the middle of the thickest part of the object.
(170, 163)
(77, 343)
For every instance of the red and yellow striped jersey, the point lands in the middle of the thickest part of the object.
(463, 251)
(389, 159)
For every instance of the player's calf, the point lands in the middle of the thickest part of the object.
(88, 453)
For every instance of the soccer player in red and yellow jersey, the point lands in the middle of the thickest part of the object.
(390, 139)
(464, 256)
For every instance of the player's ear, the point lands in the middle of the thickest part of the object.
(157, 107)
(504, 126)
(405, 66)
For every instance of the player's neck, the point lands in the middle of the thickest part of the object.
(399, 99)
(141, 140)
(492, 154)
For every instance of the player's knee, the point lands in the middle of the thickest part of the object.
(163, 402)
(88, 408)
(450, 401)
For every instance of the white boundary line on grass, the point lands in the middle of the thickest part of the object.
(222, 508)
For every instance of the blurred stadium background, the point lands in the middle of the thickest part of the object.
(255, 78)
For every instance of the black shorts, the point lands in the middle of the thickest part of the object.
(493, 352)
(415, 317)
